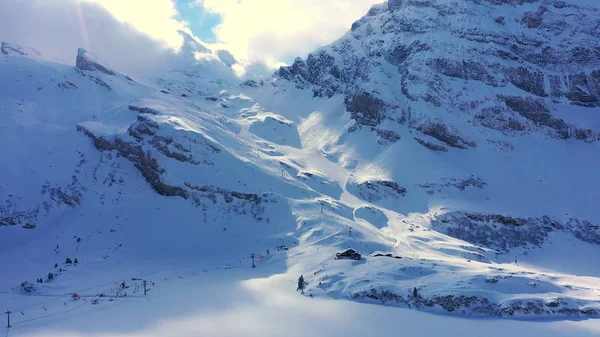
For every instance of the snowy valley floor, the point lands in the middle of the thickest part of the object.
(241, 301)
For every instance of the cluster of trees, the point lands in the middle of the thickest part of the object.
(51, 275)
(50, 278)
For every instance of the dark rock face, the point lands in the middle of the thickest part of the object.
(394, 5)
(496, 118)
(584, 89)
(536, 111)
(465, 69)
(94, 79)
(476, 305)
(522, 114)
(528, 80)
(319, 68)
(142, 160)
(250, 83)
(66, 85)
(498, 232)
(447, 134)
(431, 146)
(227, 195)
(84, 62)
(366, 109)
(239, 203)
(12, 215)
(143, 126)
(8, 49)
(460, 184)
(534, 19)
(145, 130)
(146, 145)
(387, 136)
(503, 233)
(144, 110)
(374, 191)
(180, 153)
(584, 230)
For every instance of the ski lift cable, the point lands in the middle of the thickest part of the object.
(49, 315)
(64, 296)
(151, 272)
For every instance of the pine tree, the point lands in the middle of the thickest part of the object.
(50, 276)
(415, 293)
(301, 284)
(76, 261)
(56, 265)
(69, 261)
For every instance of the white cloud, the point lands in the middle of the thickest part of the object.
(58, 27)
(155, 18)
(136, 37)
(270, 31)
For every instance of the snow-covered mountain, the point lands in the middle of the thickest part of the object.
(453, 143)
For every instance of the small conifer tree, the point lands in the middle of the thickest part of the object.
(69, 261)
(301, 284)
(50, 276)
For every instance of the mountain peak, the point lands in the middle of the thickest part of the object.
(191, 45)
(226, 57)
(88, 61)
(521, 73)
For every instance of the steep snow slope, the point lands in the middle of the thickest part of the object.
(466, 114)
(184, 174)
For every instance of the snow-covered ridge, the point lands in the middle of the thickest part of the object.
(10, 49)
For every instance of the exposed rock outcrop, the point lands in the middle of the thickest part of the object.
(86, 61)
(503, 232)
(444, 133)
(141, 159)
(388, 60)
(366, 109)
(431, 146)
(376, 190)
(460, 184)
(476, 305)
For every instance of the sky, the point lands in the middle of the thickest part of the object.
(258, 33)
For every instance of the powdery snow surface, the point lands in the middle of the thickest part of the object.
(177, 180)
(258, 302)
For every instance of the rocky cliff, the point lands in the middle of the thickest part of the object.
(509, 65)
